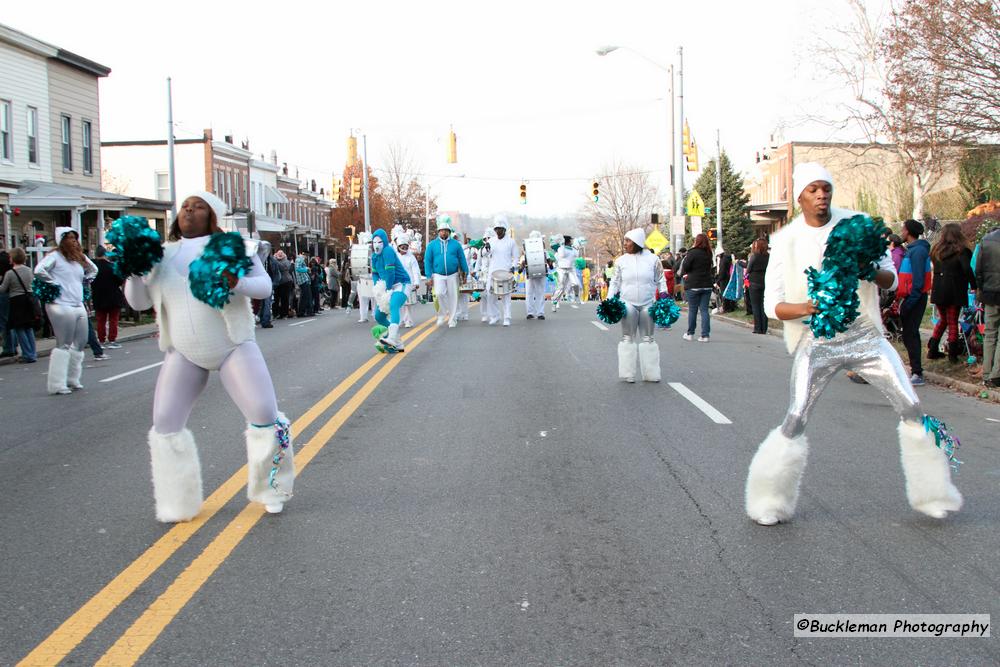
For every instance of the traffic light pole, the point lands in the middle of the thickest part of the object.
(718, 188)
(364, 169)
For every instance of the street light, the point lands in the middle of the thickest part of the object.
(427, 205)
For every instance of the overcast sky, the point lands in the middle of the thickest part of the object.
(519, 81)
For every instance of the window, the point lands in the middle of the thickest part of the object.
(163, 186)
(67, 152)
(88, 154)
(32, 135)
(6, 129)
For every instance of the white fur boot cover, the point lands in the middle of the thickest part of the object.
(925, 467)
(627, 353)
(176, 476)
(58, 370)
(75, 369)
(262, 445)
(649, 361)
(775, 473)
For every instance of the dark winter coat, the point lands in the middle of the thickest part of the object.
(285, 271)
(952, 279)
(756, 267)
(725, 266)
(697, 269)
(106, 290)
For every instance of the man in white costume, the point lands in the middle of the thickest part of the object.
(412, 268)
(566, 272)
(463, 297)
(503, 257)
(482, 272)
(534, 288)
(772, 486)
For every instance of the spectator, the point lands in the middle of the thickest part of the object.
(333, 282)
(5, 331)
(285, 285)
(897, 249)
(303, 305)
(668, 273)
(696, 270)
(107, 297)
(953, 276)
(678, 283)
(317, 275)
(724, 267)
(21, 310)
(987, 276)
(756, 268)
(914, 286)
(266, 310)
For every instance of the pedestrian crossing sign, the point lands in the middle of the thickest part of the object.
(656, 241)
(695, 205)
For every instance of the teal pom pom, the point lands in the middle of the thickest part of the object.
(137, 247)
(611, 311)
(664, 312)
(852, 251)
(580, 263)
(224, 253)
(378, 331)
(944, 440)
(45, 291)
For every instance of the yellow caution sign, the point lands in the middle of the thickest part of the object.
(656, 241)
(695, 205)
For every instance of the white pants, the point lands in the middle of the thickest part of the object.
(446, 291)
(463, 306)
(567, 285)
(534, 296)
(497, 307)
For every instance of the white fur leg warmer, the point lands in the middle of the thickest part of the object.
(925, 467)
(627, 354)
(58, 371)
(75, 369)
(176, 476)
(775, 473)
(262, 446)
(649, 361)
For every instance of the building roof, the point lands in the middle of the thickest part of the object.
(38, 47)
(42, 195)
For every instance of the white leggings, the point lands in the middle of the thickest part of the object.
(244, 375)
(69, 324)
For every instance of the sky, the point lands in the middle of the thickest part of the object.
(518, 82)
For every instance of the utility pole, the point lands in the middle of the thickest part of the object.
(170, 152)
(673, 150)
(718, 188)
(679, 162)
(364, 169)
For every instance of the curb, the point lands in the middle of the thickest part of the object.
(932, 378)
(121, 339)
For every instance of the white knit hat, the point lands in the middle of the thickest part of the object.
(636, 236)
(806, 173)
(444, 222)
(500, 222)
(63, 231)
(216, 204)
(403, 239)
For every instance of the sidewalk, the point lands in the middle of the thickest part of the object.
(979, 391)
(125, 333)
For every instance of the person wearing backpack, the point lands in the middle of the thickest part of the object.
(21, 315)
(914, 287)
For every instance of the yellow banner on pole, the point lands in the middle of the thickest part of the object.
(656, 241)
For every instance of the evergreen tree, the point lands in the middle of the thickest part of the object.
(737, 230)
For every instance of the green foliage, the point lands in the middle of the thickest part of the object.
(948, 204)
(979, 175)
(866, 201)
(737, 230)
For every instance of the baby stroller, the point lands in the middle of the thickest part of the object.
(972, 324)
(892, 321)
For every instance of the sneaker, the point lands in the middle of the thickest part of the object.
(506, 323)
(493, 321)
(541, 317)
(274, 508)
(530, 317)
(264, 326)
(452, 325)
(702, 339)
(767, 520)
(688, 336)
(101, 357)
(112, 345)
(917, 380)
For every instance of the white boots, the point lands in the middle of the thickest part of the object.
(75, 369)
(649, 361)
(263, 445)
(176, 476)
(925, 467)
(776, 469)
(59, 361)
(628, 353)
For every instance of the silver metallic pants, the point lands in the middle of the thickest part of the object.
(69, 324)
(637, 320)
(861, 349)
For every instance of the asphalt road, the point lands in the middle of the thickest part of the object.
(491, 496)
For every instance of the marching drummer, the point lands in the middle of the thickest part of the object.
(503, 260)
(535, 265)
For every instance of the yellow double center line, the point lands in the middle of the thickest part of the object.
(131, 645)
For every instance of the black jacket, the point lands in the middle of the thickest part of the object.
(697, 269)
(952, 279)
(106, 290)
(756, 267)
(988, 268)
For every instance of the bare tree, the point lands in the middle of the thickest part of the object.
(401, 188)
(627, 197)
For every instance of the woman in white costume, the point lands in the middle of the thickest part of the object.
(67, 267)
(412, 267)
(638, 275)
(198, 339)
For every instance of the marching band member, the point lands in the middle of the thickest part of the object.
(482, 272)
(503, 258)
(772, 486)
(67, 267)
(392, 283)
(197, 339)
(566, 271)
(412, 267)
(443, 260)
(637, 277)
(463, 298)
(534, 288)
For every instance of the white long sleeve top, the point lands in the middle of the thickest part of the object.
(503, 254)
(69, 276)
(565, 257)
(637, 277)
(411, 266)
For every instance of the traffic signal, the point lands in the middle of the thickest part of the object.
(713, 234)
(686, 138)
(355, 187)
(691, 157)
(524, 193)
(349, 231)
(595, 191)
(338, 187)
(452, 147)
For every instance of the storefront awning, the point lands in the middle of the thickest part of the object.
(264, 225)
(41, 195)
(274, 196)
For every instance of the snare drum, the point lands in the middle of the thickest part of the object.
(502, 282)
(411, 296)
(534, 257)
